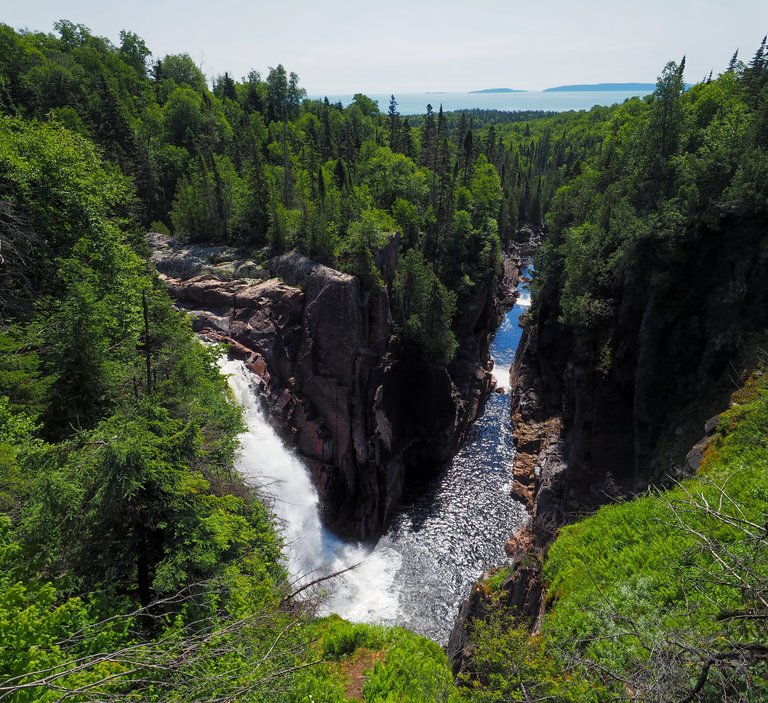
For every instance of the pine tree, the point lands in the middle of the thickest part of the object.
(406, 139)
(468, 157)
(394, 124)
(734, 62)
(664, 129)
(461, 129)
(340, 174)
(321, 188)
(756, 74)
(254, 219)
(225, 87)
(490, 145)
(428, 139)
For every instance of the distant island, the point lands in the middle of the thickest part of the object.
(650, 87)
(497, 90)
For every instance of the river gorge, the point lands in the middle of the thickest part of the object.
(448, 530)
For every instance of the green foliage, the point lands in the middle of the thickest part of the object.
(508, 664)
(676, 163)
(184, 116)
(206, 201)
(650, 588)
(340, 638)
(414, 670)
(364, 238)
(255, 163)
(151, 523)
(486, 191)
(495, 580)
(652, 599)
(132, 497)
(425, 307)
(404, 667)
(37, 626)
(21, 378)
(117, 435)
(16, 430)
(63, 194)
(391, 176)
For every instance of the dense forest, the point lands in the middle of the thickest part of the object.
(256, 164)
(135, 564)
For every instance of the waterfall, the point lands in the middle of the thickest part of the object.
(365, 594)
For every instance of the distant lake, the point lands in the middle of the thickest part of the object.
(416, 103)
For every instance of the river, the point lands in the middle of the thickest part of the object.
(445, 535)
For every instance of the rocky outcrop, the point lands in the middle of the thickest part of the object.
(589, 432)
(527, 238)
(364, 412)
(183, 261)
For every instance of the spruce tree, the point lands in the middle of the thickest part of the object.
(428, 138)
(394, 124)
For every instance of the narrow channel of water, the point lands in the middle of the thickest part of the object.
(445, 535)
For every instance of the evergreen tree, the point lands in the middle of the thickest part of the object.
(225, 87)
(428, 139)
(424, 308)
(734, 62)
(468, 156)
(394, 124)
(665, 126)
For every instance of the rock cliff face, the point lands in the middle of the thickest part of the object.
(364, 412)
(587, 433)
(680, 340)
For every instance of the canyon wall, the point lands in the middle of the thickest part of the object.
(364, 411)
(591, 427)
(683, 332)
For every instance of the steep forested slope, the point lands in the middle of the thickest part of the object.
(649, 311)
(654, 270)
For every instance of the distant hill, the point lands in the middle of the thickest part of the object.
(602, 86)
(498, 90)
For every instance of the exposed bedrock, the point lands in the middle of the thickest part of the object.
(589, 432)
(362, 410)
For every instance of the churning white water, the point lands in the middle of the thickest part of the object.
(447, 532)
(367, 593)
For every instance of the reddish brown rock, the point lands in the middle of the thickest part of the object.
(361, 409)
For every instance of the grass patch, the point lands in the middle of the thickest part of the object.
(647, 589)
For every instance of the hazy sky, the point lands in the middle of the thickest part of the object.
(401, 46)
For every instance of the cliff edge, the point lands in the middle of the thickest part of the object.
(364, 411)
